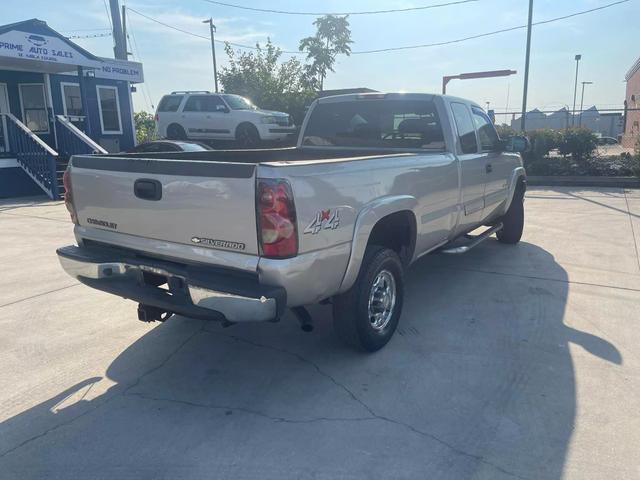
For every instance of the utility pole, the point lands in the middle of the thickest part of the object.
(119, 49)
(124, 31)
(575, 92)
(526, 69)
(582, 101)
(212, 30)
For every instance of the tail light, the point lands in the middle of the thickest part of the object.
(277, 231)
(68, 196)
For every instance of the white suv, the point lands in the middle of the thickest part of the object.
(212, 116)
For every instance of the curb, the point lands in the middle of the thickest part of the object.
(585, 181)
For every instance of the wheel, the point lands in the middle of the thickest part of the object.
(513, 221)
(366, 316)
(176, 132)
(247, 135)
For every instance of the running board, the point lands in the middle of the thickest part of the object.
(475, 241)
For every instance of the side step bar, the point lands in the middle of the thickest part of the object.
(475, 241)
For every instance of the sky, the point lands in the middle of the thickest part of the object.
(606, 39)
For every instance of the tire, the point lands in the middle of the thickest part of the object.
(352, 313)
(176, 132)
(513, 221)
(247, 136)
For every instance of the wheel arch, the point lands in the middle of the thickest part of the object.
(373, 224)
(517, 186)
(245, 123)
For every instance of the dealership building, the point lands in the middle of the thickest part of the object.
(56, 100)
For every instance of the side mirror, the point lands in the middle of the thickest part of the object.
(222, 108)
(517, 144)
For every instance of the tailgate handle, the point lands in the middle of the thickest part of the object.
(147, 189)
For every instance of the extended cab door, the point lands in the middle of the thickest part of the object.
(497, 165)
(472, 166)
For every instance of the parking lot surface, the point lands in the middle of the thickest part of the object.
(509, 362)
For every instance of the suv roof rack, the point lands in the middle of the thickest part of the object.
(181, 92)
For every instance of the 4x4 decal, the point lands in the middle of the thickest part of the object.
(324, 220)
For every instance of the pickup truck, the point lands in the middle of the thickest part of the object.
(375, 182)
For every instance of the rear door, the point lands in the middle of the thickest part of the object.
(206, 116)
(497, 166)
(472, 165)
(197, 203)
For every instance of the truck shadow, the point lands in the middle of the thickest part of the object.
(479, 382)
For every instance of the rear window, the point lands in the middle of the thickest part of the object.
(170, 103)
(378, 123)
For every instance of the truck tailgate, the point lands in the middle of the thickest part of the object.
(208, 204)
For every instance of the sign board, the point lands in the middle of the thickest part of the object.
(20, 45)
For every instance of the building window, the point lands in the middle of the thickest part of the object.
(71, 100)
(109, 107)
(34, 107)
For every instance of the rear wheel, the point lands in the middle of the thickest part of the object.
(176, 132)
(366, 316)
(513, 221)
(247, 135)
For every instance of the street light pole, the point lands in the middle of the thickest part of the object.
(582, 102)
(212, 30)
(575, 92)
(526, 69)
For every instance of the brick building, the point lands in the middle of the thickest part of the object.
(632, 101)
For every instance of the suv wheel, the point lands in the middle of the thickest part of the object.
(176, 132)
(247, 135)
(367, 315)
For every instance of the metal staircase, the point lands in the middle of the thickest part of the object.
(42, 163)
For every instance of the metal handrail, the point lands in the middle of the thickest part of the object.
(41, 143)
(34, 156)
(80, 135)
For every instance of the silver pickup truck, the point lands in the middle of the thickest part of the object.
(375, 182)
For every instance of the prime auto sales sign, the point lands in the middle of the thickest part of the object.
(43, 48)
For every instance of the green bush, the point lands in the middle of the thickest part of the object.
(505, 131)
(542, 142)
(580, 143)
(145, 127)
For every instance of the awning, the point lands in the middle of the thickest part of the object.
(33, 46)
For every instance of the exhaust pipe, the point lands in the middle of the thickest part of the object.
(303, 316)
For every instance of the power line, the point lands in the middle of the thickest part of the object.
(87, 29)
(95, 35)
(106, 9)
(393, 49)
(495, 32)
(369, 12)
(136, 50)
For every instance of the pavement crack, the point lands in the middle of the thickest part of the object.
(633, 233)
(375, 416)
(40, 294)
(101, 404)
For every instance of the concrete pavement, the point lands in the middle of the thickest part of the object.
(509, 362)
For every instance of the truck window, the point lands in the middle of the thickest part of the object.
(375, 123)
(487, 134)
(170, 103)
(466, 130)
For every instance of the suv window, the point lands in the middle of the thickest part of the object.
(466, 130)
(377, 123)
(487, 134)
(203, 103)
(170, 103)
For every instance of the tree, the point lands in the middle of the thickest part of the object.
(145, 127)
(332, 38)
(267, 82)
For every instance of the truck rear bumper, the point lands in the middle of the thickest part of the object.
(193, 291)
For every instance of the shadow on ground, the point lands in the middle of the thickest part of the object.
(477, 383)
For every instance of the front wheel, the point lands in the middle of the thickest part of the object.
(513, 221)
(247, 136)
(366, 316)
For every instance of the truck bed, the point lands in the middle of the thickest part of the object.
(266, 155)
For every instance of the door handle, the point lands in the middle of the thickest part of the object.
(489, 168)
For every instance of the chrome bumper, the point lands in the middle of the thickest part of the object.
(191, 291)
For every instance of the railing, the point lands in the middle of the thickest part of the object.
(72, 140)
(35, 157)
